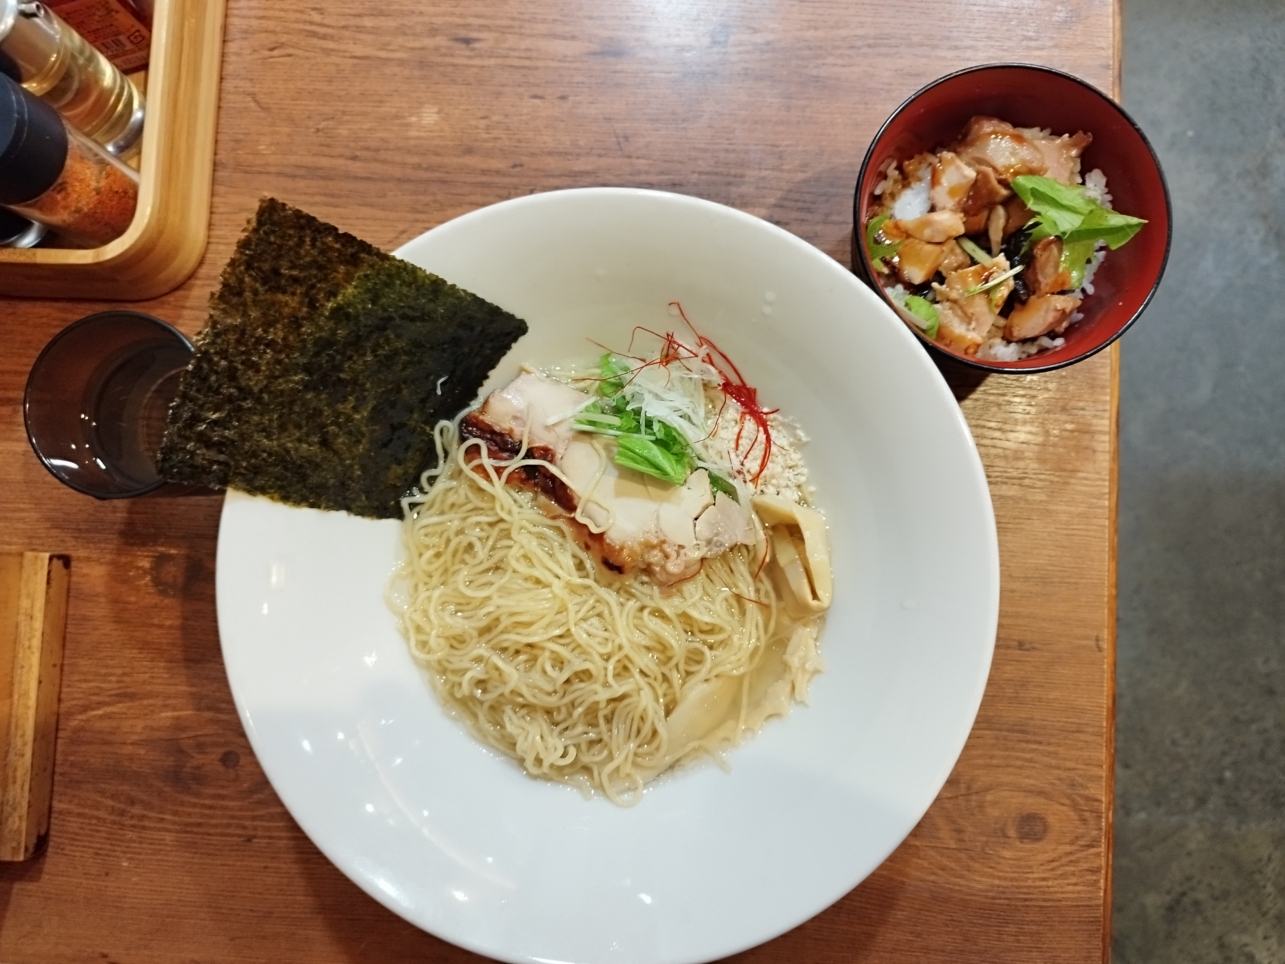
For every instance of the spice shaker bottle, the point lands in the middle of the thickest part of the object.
(52, 173)
(57, 64)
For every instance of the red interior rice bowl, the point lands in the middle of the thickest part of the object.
(989, 245)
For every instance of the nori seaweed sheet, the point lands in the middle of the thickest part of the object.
(323, 368)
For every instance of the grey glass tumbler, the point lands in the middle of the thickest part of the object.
(97, 399)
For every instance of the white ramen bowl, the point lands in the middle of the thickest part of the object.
(454, 837)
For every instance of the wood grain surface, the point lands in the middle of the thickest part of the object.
(167, 843)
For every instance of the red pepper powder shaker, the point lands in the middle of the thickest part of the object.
(53, 174)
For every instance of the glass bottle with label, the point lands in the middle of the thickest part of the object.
(58, 65)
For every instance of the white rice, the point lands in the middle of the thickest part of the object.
(889, 167)
(914, 200)
(997, 349)
(1090, 269)
(1095, 188)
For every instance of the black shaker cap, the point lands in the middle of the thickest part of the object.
(33, 144)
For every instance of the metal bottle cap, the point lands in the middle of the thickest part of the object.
(33, 145)
(8, 17)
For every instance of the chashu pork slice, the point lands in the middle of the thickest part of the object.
(527, 408)
(630, 520)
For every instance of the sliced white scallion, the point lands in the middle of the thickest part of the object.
(598, 417)
(1000, 279)
(975, 252)
(555, 419)
(673, 394)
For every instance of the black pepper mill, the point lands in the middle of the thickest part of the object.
(53, 174)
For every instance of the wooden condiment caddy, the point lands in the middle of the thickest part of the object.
(167, 237)
(33, 618)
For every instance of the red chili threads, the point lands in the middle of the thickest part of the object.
(735, 387)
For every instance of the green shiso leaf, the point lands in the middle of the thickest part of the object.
(646, 445)
(879, 251)
(646, 456)
(1059, 207)
(1063, 211)
(1102, 224)
(926, 311)
(668, 437)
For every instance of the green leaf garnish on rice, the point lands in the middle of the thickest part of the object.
(1102, 224)
(1063, 211)
(879, 250)
(925, 311)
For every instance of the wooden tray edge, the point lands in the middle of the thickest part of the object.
(167, 239)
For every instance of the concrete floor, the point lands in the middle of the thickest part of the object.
(1200, 743)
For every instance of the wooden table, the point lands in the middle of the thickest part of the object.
(167, 843)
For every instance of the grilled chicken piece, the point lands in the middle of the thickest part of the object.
(951, 181)
(954, 258)
(958, 283)
(628, 519)
(934, 227)
(979, 310)
(996, 144)
(917, 261)
(985, 193)
(1045, 274)
(1041, 315)
(893, 231)
(955, 330)
(1016, 214)
(974, 223)
(913, 169)
(1061, 154)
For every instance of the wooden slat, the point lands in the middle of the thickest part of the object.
(33, 617)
